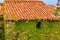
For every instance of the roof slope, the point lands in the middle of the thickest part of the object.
(27, 10)
(0, 9)
(23, 0)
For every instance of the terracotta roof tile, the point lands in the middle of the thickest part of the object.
(24, 10)
(0, 9)
(23, 0)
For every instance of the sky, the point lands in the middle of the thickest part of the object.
(1, 1)
(45, 1)
(50, 1)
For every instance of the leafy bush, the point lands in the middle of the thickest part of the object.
(27, 30)
(57, 11)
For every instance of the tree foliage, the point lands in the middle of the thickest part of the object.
(57, 11)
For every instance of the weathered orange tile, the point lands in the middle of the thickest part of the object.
(28, 10)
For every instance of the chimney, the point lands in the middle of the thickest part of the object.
(58, 4)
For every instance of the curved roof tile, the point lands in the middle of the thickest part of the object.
(23, 0)
(24, 10)
(1, 9)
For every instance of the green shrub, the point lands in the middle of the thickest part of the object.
(57, 11)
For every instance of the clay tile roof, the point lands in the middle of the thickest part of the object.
(23, 0)
(0, 9)
(24, 10)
